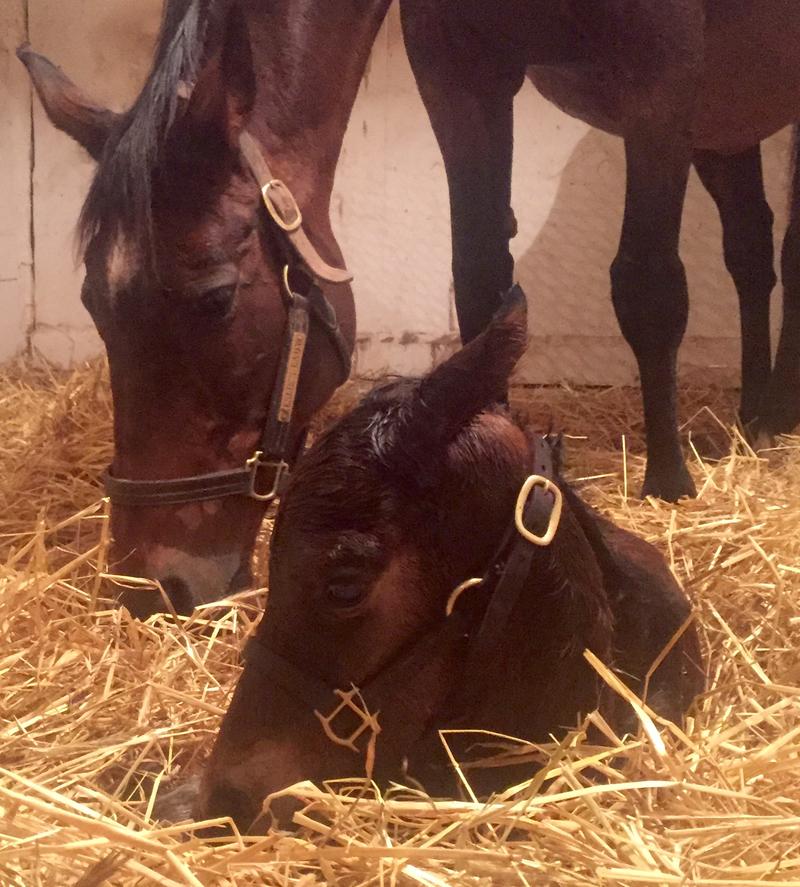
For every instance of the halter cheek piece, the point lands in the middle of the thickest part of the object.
(264, 474)
(377, 701)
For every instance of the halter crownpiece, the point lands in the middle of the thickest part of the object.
(285, 213)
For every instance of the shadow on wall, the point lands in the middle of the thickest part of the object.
(565, 273)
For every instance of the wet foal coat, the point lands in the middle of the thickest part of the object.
(396, 506)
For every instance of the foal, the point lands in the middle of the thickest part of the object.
(404, 499)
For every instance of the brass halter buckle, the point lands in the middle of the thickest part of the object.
(538, 480)
(253, 464)
(273, 210)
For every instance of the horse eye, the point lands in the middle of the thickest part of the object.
(215, 303)
(345, 593)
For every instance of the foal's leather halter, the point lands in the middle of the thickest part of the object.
(534, 525)
(265, 473)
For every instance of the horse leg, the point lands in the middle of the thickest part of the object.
(780, 412)
(471, 111)
(736, 184)
(648, 290)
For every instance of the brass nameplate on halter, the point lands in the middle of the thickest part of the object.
(293, 364)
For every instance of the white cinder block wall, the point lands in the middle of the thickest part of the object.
(390, 212)
(16, 260)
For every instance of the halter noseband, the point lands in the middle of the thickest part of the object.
(535, 523)
(264, 474)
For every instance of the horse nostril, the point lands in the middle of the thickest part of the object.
(178, 592)
(225, 800)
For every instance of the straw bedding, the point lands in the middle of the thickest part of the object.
(98, 713)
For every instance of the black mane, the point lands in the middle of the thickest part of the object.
(120, 195)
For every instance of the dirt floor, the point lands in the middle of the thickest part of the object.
(99, 712)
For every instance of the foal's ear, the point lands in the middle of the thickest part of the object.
(477, 376)
(67, 107)
(223, 95)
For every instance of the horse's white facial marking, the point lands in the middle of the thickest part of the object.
(208, 576)
(120, 266)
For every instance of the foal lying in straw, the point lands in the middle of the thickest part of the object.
(430, 570)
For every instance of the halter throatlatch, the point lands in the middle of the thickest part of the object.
(264, 474)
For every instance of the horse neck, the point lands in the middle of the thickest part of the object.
(310, 59)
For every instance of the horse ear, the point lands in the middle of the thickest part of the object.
(67, 107)
(223, 95)
(476, 376)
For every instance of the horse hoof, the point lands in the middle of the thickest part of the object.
(780, 409)
(760, 440)
(177, 804)
(756, 433)
(670, 487)
(785, 422)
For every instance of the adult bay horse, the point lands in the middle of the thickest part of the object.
(428, 553)
(683, 82)
(184, 260)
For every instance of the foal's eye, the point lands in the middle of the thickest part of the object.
(214, 304)
(345, 593)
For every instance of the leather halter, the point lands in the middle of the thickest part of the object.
(503, 582)
(264, 474)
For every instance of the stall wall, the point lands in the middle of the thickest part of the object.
(390, 212)
(16, 258)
